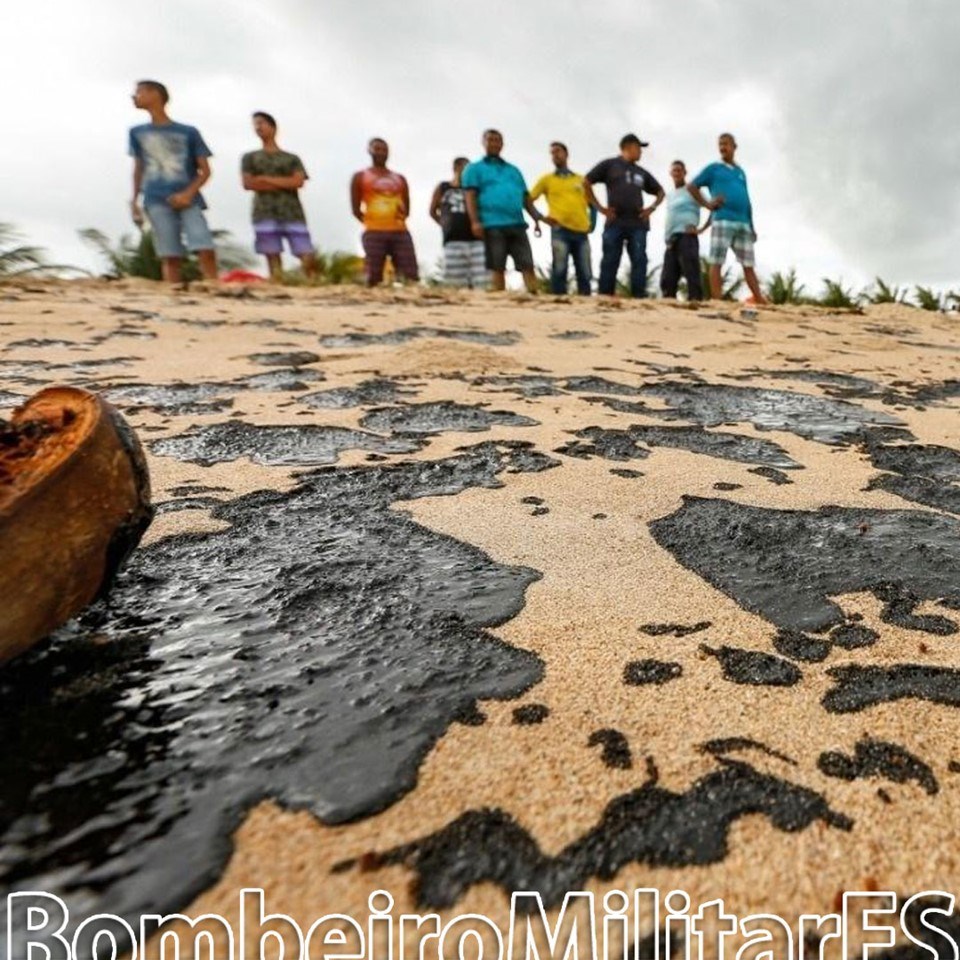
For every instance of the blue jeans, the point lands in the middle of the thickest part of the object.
(568, 243)
(614, 237)
(169, 227)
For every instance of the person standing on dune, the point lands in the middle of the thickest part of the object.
(496, 200)
(628, 220)
(275, 176)
(569, 219)
(732, 216)
(170, 166)
(464, 256)
(682, 230)
(380, 200)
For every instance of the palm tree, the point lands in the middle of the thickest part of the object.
(927, 299)
(784, 288)
(130, 257)
(886, 294)
(835, 295)
(15, 257)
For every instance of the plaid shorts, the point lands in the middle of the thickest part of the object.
(727, 234)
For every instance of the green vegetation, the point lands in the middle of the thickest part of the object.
(884, 293)
(835, 295)
(136, 256)
(785, 288)
(336, 267)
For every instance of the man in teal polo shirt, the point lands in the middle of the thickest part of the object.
(496, 199)
(732, 216)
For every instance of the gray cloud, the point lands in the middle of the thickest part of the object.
(847, 123)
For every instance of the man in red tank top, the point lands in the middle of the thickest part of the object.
(381, 202)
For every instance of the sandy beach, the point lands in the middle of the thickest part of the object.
(453, 594)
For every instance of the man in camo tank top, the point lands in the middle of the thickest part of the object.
(275, 177)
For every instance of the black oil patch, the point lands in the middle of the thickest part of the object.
(530, 714)
(858, 687)
(440, 417)
(639, 673)
(594, 384)
(787, 564)
(878, 758)
(171, 398)
(616, 750)
(186, 503)
(365, 394)
(853, 636)
(801, 646)
(573, 335)
(650, 825)
(754, 667)
(406, 334)
(674, 629)
(312, 653)
(823, 419)
(292, 380)
(281, 445)
(632, 443)
(721, 746)
(922, 473)
(296, 358)
(777, 477)
(526, 385)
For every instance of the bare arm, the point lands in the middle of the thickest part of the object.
(713, 204)
(645, 213)
(406, 198)
(608, 212)
(435, 205)
(185, 197)
(475, 225)
(355, 197)
(135, 210)
(531, 208)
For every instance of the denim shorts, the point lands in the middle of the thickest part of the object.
(502, 242)
(171, 226)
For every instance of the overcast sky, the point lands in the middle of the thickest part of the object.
(846, 110)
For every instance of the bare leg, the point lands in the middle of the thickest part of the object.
(172, 271)
(530, 281)
(716, 288)
(208, 263)
(498, 279)
(275, 267)
(308, 262)
(750, 275)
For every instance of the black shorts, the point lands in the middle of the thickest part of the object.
(502, 242)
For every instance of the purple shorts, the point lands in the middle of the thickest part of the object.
(270, 235)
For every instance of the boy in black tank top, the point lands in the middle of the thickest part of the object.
(464, 261)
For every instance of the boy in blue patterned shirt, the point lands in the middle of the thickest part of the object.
(169, 168)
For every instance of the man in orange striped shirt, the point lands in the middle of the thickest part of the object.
(381, 202)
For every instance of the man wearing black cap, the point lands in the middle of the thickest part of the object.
(627, 219)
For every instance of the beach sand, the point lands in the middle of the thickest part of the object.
(646, 755)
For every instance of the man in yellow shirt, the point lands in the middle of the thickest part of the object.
(570, 219)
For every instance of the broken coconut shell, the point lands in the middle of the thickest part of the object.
(74, 502)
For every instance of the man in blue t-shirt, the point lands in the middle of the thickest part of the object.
(496, 200)
(169, 168)
(732, 216)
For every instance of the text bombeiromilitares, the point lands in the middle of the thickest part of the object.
(617, 926)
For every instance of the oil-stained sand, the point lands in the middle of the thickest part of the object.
(451, 663)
